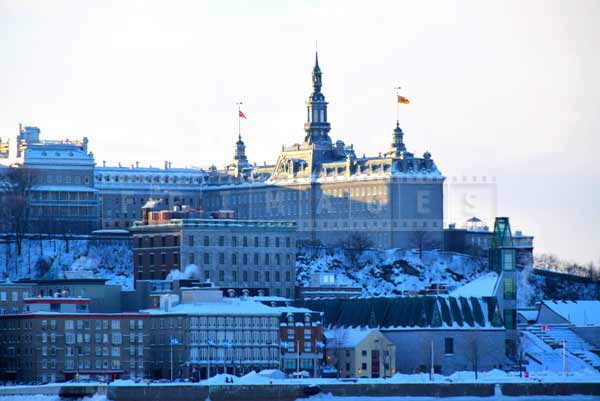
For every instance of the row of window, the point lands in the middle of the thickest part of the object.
(267, 259)
(244, 241)
(85, 324)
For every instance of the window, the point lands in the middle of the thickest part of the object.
(206, 258)
(510, 291)
(234, 259)
(290, 334)
(191, 240)
(221, 258)
(221, 275)
(307, 334)
(234, 241)
(267, 277)
(163, 259)
(256, 259)
(245, 241)
(206, 240)
(245, 275)
(288, 276)
(256, 276)
(508, 259)
(364, 366)
(307, 346)
(364, 352)
(277, 276)
(221, 240)
(191, 258)
(151, 259)
(267, 259)
(206, 275)
(256, 242)
(510, 319)
(266, 241)
(449, 345)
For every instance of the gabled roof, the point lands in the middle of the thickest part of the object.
(579, 313)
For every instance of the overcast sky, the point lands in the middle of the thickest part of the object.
(504, 90)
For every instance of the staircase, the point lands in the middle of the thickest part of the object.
(574, 344)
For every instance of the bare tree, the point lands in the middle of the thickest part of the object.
(355, 244)
(15, 199)
(339, 339)
(421, 240)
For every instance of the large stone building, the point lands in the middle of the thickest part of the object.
(320, 184)
(57, 176)
(328, 191)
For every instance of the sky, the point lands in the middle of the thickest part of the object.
(506, 93)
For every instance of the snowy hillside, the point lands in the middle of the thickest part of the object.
(49, 258)
(394, 271)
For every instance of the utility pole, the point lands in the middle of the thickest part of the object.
(564, 356)
(431, 371)
(298, 357)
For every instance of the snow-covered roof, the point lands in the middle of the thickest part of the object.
(229, 306)
(347, 337)
(579, 313)
(480, 287)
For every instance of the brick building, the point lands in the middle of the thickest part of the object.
(236, 254)
(61, 340)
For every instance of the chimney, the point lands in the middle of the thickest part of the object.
(103, 163)
(166, 164)
(137, 164)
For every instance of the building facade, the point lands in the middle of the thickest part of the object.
(321, 185)
(207, 334)
(57, 181)
(329, 191)
(61, 340)
(229, 253)
(361, 352)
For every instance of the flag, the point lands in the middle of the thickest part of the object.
(227, 344)
(242, 115)
(210, 342)
(174, 341)
(403, 100)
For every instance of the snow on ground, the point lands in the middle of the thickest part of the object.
(542, 357)
(329, 397)
(579, 313)
(48, 258)
(39, 397)
(394, 271)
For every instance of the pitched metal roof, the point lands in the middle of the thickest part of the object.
(409, 312)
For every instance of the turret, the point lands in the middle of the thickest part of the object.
(316, 126)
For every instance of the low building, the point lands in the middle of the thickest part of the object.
(475, 238)
(61, 340)
(233, 254)
(302, 341)
(360, 352)
(203, 334)
(104, 297)
(328, 285)
(463, 333)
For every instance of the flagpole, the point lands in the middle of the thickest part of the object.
(397, 104)
(239, 104)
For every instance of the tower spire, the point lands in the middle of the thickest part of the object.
(317, 127)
